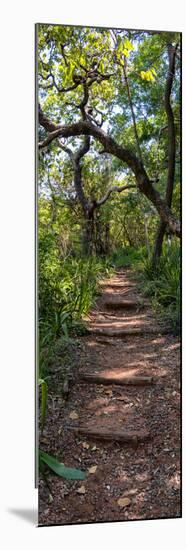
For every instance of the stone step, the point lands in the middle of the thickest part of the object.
(111, 434)
(121, 333)
(121, 380)
(116, 285)
(119, 302)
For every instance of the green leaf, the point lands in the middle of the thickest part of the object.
(122, 63)
(101, 66)
(59, 468)
(41, 465)
(82, 61)
(128, 45)
(65, 329)
(44, 395)
(142, 74)
(148, 75)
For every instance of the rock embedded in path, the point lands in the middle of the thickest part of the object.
(107, 434)
(120, 333)
(118, 302)
(119, 380)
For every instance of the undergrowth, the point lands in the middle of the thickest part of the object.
(67, 291)
(161, 283)
(69, 288)
(126, 257)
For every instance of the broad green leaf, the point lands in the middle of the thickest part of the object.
(59, 468)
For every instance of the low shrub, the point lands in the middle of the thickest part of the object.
(163, 284)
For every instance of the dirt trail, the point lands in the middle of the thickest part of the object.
(145, 468)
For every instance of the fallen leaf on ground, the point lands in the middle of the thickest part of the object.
(81, 490)
(73, 415)
(85, 445)
(100, 389)
(126, 399)
(122, 502)
(43, 440)
(92, 470)
(109, 392)
(94, 448)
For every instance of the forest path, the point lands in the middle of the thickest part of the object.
(125, 426)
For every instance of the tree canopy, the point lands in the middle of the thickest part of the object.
(107, 94)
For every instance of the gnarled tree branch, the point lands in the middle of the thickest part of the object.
(112, 190)
(111, 146)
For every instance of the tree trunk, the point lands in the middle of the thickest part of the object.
(132, 110)
(159, 242)
(171, 153)
(147, 236)
(126, 232)
(107, 238)
(88, 234)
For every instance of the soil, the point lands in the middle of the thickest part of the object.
(129, 481)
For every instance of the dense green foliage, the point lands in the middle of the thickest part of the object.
(163, 285)
(67, 282)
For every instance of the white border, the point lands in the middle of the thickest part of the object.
(17, 269)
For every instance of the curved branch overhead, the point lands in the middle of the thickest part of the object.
(84, 127)
(115, 188)
(87, 206)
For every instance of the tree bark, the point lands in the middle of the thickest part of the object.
(107, 238)
(171, 152)
(127, 233)
(132, 110)
(88, 233)
(87, 207)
